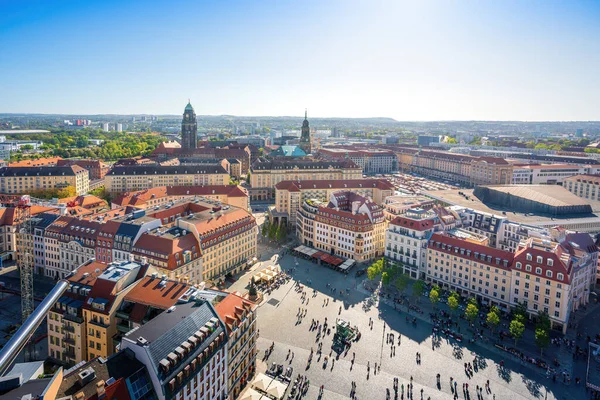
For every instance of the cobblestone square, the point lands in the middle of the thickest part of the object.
(279, 324)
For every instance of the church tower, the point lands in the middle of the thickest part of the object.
(305, 138)
(189, 128)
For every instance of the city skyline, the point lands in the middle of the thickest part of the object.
(508, 61)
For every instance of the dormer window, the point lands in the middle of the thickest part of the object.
(528, 268)
(540, 259)
(560, 277)
(549, 273)
(529, 258)
(550, 262)
(538, 271)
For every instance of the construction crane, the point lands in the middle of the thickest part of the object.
(24, 248)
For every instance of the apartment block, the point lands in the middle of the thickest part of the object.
(289, 195)
(266, 174)
(349, 226)
(584, 186)
(233, 195)
(239, 317)
(121, 179)
(25, 180)
(184, 351)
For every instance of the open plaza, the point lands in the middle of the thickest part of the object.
(393, 344)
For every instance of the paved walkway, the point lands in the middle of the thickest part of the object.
(278, 323)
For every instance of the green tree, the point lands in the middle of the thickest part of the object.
(452, 140)
(434, 297)
(493, 320)
(543, 321)
(516, 329)
(281, 233)
(520, 309)
(372, 273)
(27, 147)
(272, 231)
(385, 278)
(453, 304)
(418, 288)
(542, 339)
(401, 282)
(265, 229)
(471, 312)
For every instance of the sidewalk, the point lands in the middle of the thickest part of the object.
(526, 344)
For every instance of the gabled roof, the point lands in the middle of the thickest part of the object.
(450, 245)
(415, 224)
(150, 292)
(233, 309)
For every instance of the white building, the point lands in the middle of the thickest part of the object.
(406, 240)
(185, 352)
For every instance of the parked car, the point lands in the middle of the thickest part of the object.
(361, 272)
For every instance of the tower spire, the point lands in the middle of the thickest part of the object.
(305, 113)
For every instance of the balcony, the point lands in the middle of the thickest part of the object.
(123, 328)
(123, 314)
(68, 328)
(69, 353)
(69, 340)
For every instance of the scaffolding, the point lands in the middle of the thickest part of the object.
(25, 259)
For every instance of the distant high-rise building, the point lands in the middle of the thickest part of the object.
(133, 119)
(119, 127)
(189, 128)
(334, 132)
(305, 137)
(579, 133)
(105, 127)
(427, 140)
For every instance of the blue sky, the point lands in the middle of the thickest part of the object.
(414, 60)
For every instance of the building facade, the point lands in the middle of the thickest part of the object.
(185, 352)
(121, 179)
(350, 226)
(27, 180)
(406, 241)
(239, 316)
(289, 195)
(584, 186)
(266, 174)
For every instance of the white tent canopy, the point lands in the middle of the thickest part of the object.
(277, 389)
(261, 382)
(251, 394)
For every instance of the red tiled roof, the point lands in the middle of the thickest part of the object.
(558, 266)
(416, 224)
(149, 292)
(142, 196)
(232, 309)
(40, 162)
(89, 269)
(167, 246)
(452, 244)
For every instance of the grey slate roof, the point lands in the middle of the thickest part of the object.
(39, 171)
(169, 330)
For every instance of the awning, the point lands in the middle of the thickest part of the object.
(261, 382)
(277, 389)
(251, 394)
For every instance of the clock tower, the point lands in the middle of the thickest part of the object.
(189, 128)
(305, 138)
